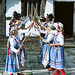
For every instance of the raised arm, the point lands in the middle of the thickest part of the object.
(53, 31)
(25, 21)
(48, 30)
(23, 31)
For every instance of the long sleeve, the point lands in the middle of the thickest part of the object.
(60, 39)
(13, 44)
(25, 21)
(49, 38)
(21, 31)
(41, 31)
(53, 31)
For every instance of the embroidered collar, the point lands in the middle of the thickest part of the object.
(56, 34)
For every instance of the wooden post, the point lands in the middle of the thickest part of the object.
(27, 8)
(32, 7)
(74, 23)
(2, 19)
(42, 8)
(24, 7)
(38, 6)
(0, 1)
(49, 8)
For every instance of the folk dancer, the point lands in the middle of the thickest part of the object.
(45, 55)
(46, 21)
(12, 65)
(17, 17)
(57, 55)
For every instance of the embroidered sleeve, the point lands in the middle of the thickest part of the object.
(13, 44)
(50, 38)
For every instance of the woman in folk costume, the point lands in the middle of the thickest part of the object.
(57, 52)
(13, 61)
(16, 20)
(49, 19)
(46, 21)
(45, 55)
(17, 17)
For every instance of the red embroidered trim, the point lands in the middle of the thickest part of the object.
(9, 49)
(58, 63)
(10, 66)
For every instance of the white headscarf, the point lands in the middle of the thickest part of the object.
(58, 26)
